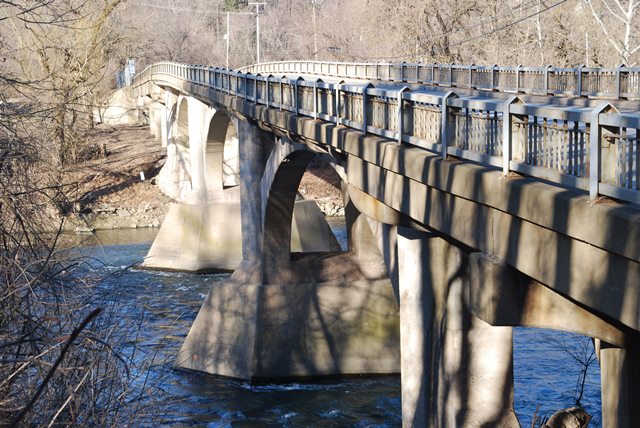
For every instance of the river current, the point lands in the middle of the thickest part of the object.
(154, 311)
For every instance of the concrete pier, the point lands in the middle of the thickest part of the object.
(620, 382)
(286, 314)
(456, 369)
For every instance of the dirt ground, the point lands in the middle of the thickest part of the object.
(109, 191)
(322, 184)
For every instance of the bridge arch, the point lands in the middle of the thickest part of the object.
(283, 174)
(181, 132)
(278, 206)
(221, 157)
(175, 177)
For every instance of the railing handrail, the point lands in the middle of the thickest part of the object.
(573, 146)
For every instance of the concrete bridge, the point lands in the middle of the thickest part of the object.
(468, 212)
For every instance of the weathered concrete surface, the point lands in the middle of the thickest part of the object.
(198, 238)
(174, 179)
(207, 236)
(343, 323)
(620, 383)
(502, 296)
(310, 231)
(456, 369)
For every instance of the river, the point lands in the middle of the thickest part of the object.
(155, 310)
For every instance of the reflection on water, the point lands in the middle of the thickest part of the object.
(163, 305)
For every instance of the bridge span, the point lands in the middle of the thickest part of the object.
(468, 213)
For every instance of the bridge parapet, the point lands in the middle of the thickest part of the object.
(609, 83)
(593, 149)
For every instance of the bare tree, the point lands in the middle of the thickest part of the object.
(61, 56)
(582, 352)
(617, 19)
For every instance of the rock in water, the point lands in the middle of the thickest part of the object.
(573, 417)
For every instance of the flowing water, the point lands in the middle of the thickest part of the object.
(155, 310)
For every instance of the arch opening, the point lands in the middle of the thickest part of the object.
(175, 177)
(306, 230)
(222, 163)
(305, 241)
(181, 135)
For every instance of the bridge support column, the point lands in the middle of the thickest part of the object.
(166, 119)
(620, 384)
(174, 177)
(456, 369)
(250, 153)
(199, 116)
(203, 232)
(155, 119)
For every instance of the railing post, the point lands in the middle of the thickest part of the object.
(595, 151)
(266, 90)
(446, 127)
(619, 81)
(295, 97)
(377, 70)
(400, 119)
(471, 76)
(518, 77)
(494, 80)
(402, 65)
(433, 74)
(255, 88)
(579, 80)
(364, 109)
(337, 104)
(281, 94)
(507, 134)
(451, 74)
(546, 79)
(315, 100)
(389, 70)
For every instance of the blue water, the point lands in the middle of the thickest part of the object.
(154, 310)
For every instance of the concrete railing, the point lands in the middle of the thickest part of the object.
(606, 83)
(596, 150)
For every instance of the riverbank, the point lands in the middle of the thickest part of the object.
(115, 188)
